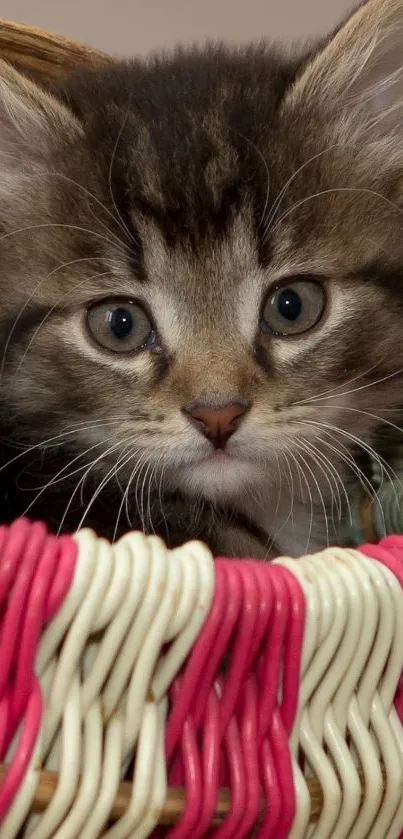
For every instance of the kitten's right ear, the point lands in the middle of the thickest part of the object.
(32, 122)
(356, 78)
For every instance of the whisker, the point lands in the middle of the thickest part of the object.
(291, 486)
(113, 157)
(384, 466)
(278, 200)
(301, 474)
(150, 485)
(290, 515)
(143, 486)
(316, 455)
(143, 461)
(304, 476)
(319, 491)
(51, 172)
(161, 505)
(57, 224)
(380, 381)
(120, 463)
(324, 393)
(332, 191)
(82, 480)
(360, 475)
(52, 309)
(261, 156)
(104, 208)
(379, 419)
(347, 458)
(124, 501)
(30, 297)
(62, 472)
(55, 441)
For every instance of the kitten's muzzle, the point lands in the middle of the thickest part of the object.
(217, 422)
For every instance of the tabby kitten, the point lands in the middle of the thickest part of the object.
(202, 288)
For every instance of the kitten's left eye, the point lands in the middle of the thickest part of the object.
(120, 326)
(294, 308)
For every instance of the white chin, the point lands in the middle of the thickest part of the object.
(221, 480)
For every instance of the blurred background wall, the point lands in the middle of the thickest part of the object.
(127, 27)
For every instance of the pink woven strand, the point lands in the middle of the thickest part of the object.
(262, 620)
(33, 622)
(12, 542)
(210, 765)
(11, 624)
(282, 759)
(271, 791)
(393, 543)
(266, 598)
(229, 621)
(249, 631)
(193, 780)
(243, 643)
(237, 785)
(24, 546)
(16, 771)
(229, 591)
(63, 578)
(195, 665)
(49, 565)
(249, 742)
(271, 665)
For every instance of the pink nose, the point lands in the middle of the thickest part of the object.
(217, 423)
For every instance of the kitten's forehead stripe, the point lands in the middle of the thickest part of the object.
(126, 223)
(182, 136)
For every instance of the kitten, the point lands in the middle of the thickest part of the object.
(202, 288)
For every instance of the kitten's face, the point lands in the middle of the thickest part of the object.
(205, 292)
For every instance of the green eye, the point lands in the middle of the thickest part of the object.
(294, 308)
(120, 326)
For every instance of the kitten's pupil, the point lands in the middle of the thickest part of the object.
(121, 322)
(289, 304)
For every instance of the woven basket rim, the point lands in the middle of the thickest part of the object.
(40, 32)
(44, 54)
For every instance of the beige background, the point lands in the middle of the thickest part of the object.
(136, 26)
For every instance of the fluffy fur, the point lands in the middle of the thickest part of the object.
(194, 183)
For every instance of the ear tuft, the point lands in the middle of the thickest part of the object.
(360, 69)
(31, 121)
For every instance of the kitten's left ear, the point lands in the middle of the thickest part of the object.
(360, 69)
(31, 121)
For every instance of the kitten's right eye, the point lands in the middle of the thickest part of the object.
(121, 326)
(294, 308)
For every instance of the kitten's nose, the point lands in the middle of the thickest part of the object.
(217, 423)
